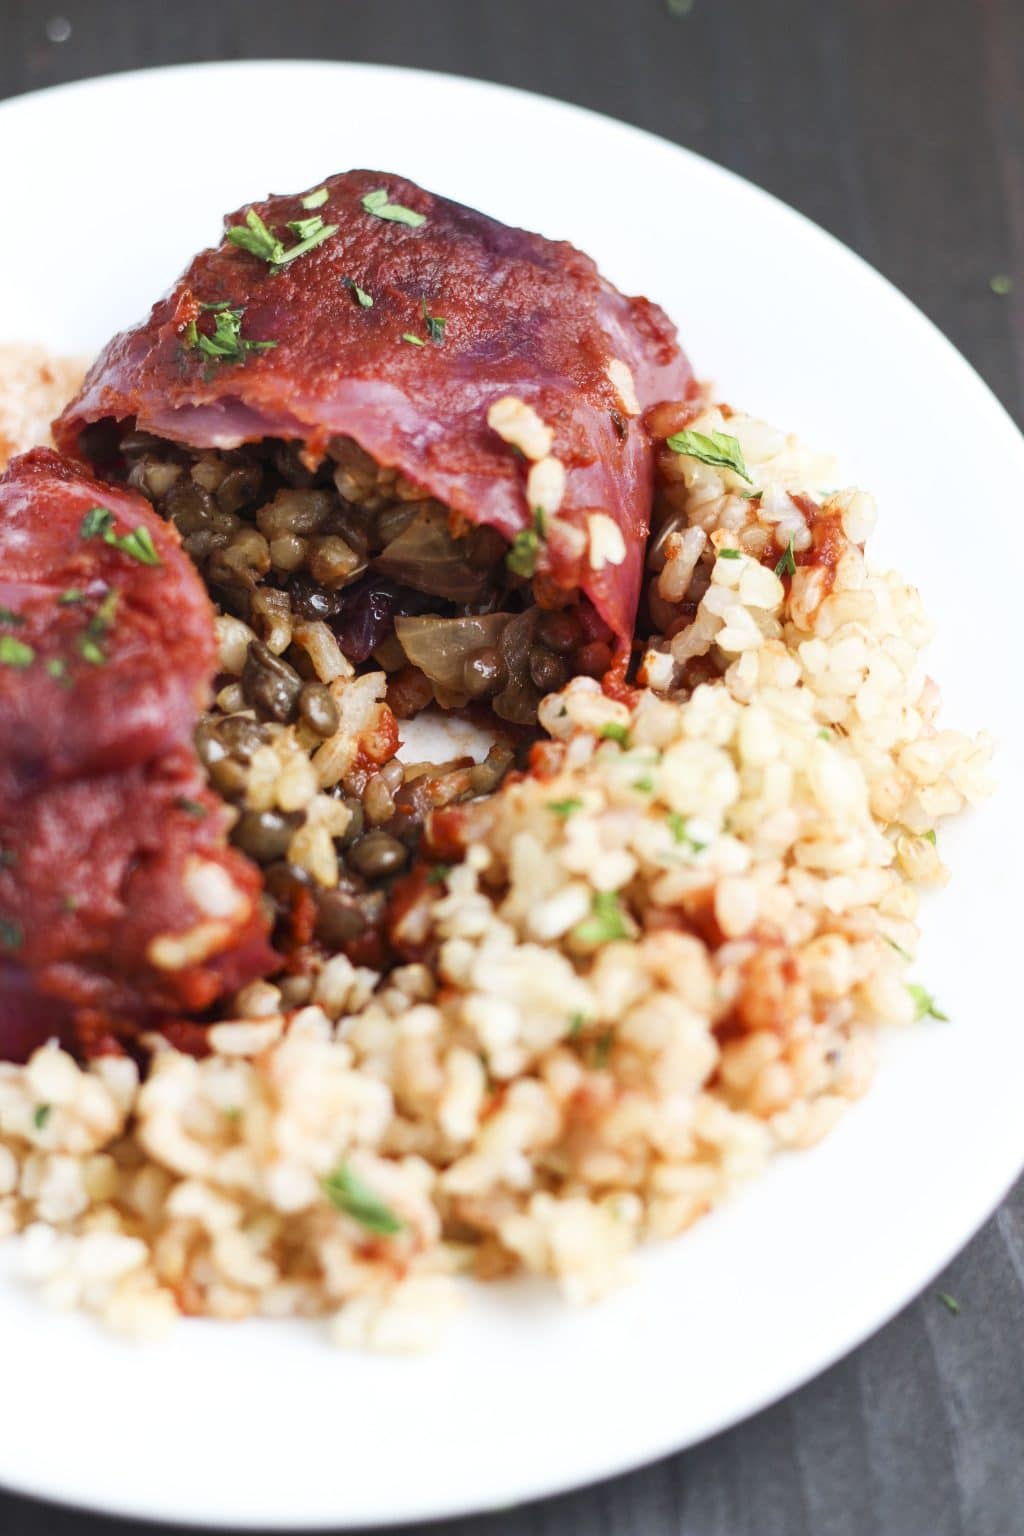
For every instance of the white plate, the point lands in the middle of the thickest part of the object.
(264, 1424)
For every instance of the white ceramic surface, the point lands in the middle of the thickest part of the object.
(266, 1425)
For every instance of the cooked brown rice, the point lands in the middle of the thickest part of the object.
(667, 953)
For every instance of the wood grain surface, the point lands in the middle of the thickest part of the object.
(899, 126)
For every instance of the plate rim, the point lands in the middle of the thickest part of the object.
(668, 1443)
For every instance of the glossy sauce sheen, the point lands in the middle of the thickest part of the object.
(524, 316)
(103, 804)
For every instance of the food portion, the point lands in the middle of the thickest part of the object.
(616, 985)
(34, 387)
(372, 407)
(121, 904)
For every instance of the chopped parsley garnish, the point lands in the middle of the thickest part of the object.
(904, 954)
(679, 8)
(227, 344)
(315, 199)
(644, 785)
(8, 616)
(138, 544)
(254, 236)
(319, 235)
(787, 565)
(729, 554)
(715, 448)
(523, 552)
(615, 732)
(377, 203)
(1002, 284)
(98, 523)
(824, 734)
(303, 228)
(576, 1023)
(362, 297)
(607, 920)
(949, 1302)
(677, 825)
(11, 935)
(70, 595)
(41, 1114)
(565, 808)
(347, 1192)
(929, 836)
(56, 668)
(439, 874)
(69, 903)
(603, 1050)
(924, 1004)
(15, 653)
(91, 652)
(414, 341)
(194, 808)
(104, 615)
(435, 324)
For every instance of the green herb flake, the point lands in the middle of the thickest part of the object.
(678, 826)
(11, 935)
(103, 618)
(194, 808)
(254, 236)
(69, 596)
(377, 203)
(615, 732)
(15, 653)
(303, 228)
(435, 324)
(69, 903)
(824, 734)
(226, 344)
(41, 1114)
(414, 341)
(347, 1192)
(730, 554)
(602, 1050)
(679, 8)
(91, 652)
(439, 874)
(96, 522)
(787, 565)
(1001, 284)
(315, 199)
(521, 558)
(607, 921)
(925, 1005)
(949, 1302)
(8, 616)
(904, 954)
(565, 808)
(929, 836)
(360, 294)
(645, 786)
(576, 1024)
(715, 448)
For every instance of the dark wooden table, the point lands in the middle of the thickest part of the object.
(899, 126)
